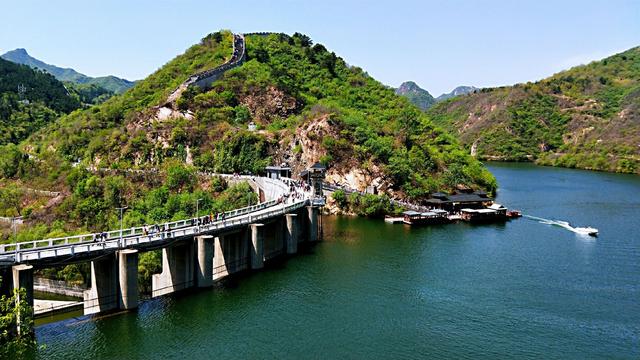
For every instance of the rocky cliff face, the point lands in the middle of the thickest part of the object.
(265, 105)
(305, 147)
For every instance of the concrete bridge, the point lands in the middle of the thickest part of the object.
(195, 252)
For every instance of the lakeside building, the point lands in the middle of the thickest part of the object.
(456, 202)
(491, 213)
(435, 216)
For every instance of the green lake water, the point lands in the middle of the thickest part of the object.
(370, 290)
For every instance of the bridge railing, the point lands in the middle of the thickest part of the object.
(115, 239)
(116, 234)
(38, 253)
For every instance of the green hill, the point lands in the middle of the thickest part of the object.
(29, 99)
(586, 117)
(88, 94)
(309, 104)
(306, 103)
(416, 95)
(110, 83)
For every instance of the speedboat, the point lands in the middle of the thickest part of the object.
(587, 230)
(512, 214)
(578, 230)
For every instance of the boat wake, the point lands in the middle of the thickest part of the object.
(587, 231)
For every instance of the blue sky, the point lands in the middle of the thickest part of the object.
(438, 44)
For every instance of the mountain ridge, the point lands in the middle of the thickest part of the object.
(29, 100)
(459, 90)
(423, 99)
(109, 82)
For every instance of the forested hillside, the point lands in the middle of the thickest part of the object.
(140, 150)
(306, 103)
(29, 99)
(586, 117)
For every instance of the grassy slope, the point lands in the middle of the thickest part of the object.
(586, 117)
(89, 200)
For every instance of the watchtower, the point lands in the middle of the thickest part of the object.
(317, 173)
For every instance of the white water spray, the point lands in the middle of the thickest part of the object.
(564, 224)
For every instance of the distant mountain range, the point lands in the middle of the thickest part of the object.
(423, 99)
(460, 90)
(111, 83)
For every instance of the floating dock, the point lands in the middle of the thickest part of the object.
(394, 219)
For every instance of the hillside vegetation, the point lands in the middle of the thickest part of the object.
(138, 149)
(41, 101)
(586, 117)
(307, 104)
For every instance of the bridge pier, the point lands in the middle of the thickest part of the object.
(204, 263)
(220, 267)
(257, 246)
(291, 236)
(231, 253)
(103, 294)
(128, 279)
(114, 283)
(312, 213)
(177, 270)
(274, 239)
(23, 279)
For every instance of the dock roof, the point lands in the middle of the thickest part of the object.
(459, 198)
(479, 211)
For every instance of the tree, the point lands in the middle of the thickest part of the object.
(11, 201)
(242, 114)
(180, 177)
(10, 157)
(341, 199)
(14, 310)
(302, 40)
